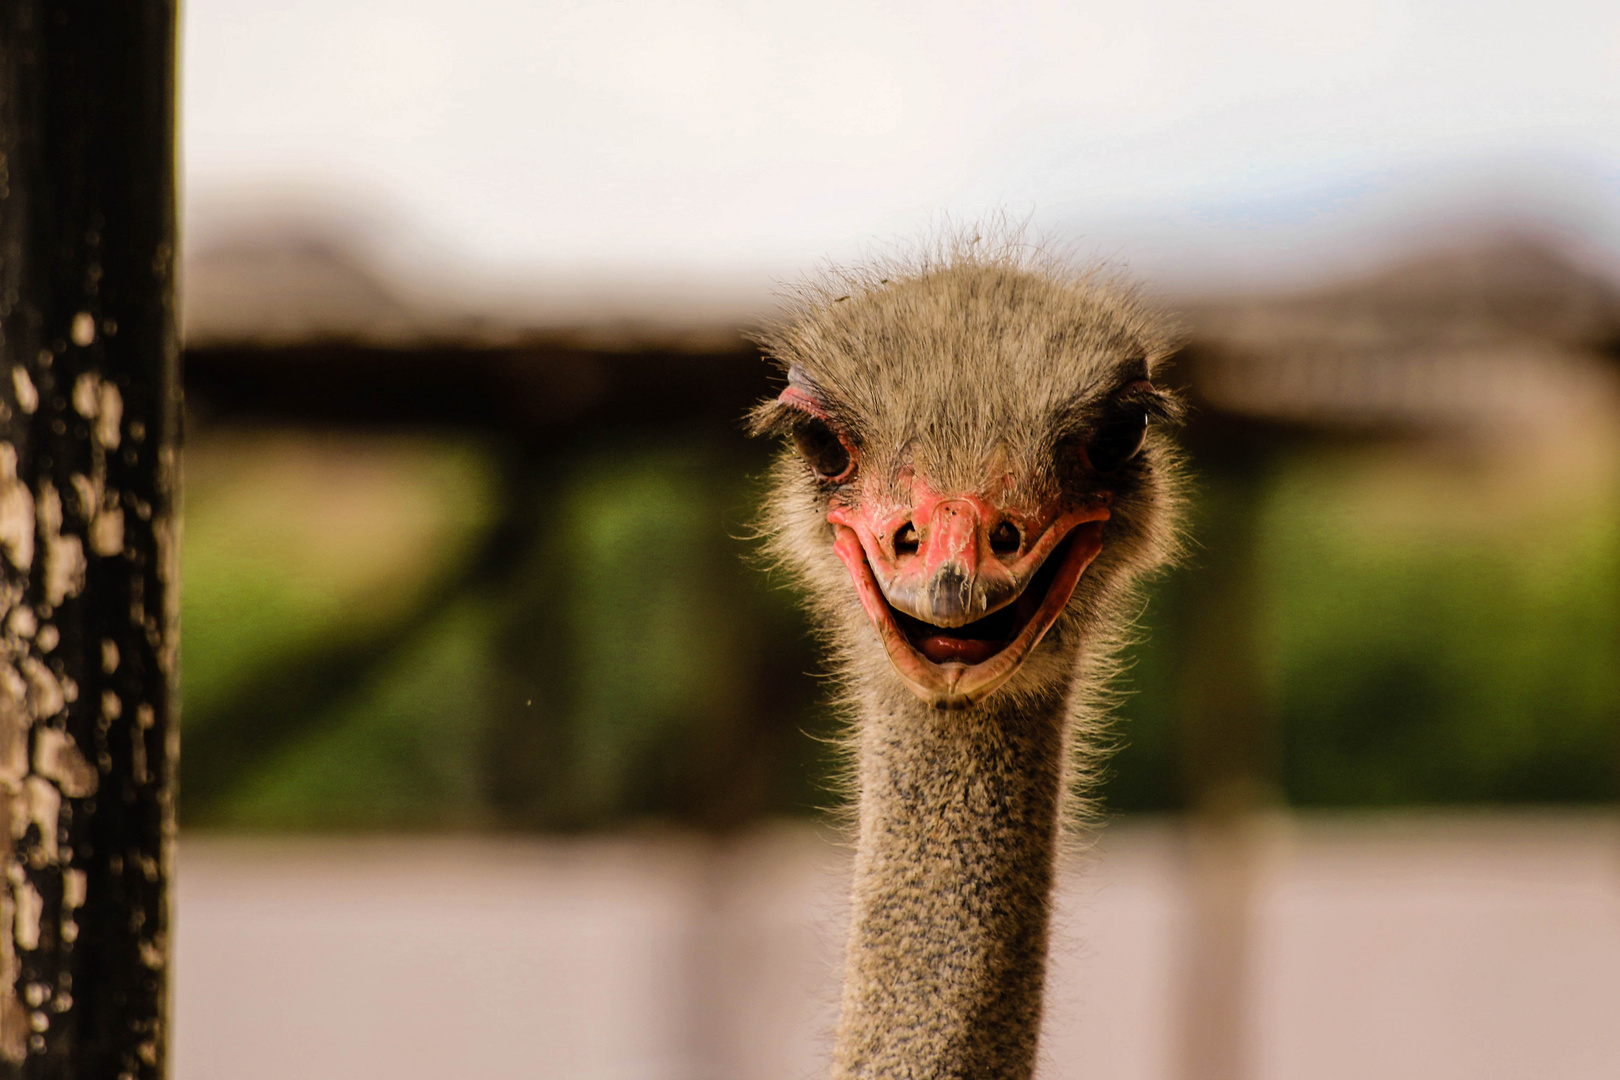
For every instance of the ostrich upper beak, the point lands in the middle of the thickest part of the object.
(960, 591)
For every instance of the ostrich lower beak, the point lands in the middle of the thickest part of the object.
(954, 663)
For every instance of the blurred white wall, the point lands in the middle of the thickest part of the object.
(1402, 947)
(493, 141)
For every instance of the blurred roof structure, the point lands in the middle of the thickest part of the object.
(304, 281)
(295, 285)
(1502, 331)
(1499, 332)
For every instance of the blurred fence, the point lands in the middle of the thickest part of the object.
(454, 572)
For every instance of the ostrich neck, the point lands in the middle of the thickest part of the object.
(959, 820)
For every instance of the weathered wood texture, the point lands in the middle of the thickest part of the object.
(88, 429)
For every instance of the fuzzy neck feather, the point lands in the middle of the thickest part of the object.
(959, 822)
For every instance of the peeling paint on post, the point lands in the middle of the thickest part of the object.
(88, 430)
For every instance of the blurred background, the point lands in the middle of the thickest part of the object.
(504, 756)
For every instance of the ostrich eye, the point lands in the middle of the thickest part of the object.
(821, 449)
(1118, 439)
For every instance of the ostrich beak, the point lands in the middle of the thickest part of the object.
(961, 592)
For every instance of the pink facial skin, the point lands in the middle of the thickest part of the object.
(948, 560)
(955, 577)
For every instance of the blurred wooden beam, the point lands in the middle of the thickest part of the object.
(543, 391)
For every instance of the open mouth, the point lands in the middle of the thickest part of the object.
(982, 639)
(954, 667)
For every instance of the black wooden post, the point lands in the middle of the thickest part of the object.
(88, 635)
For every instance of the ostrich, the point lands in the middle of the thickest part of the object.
(974, 479)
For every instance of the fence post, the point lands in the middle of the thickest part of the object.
(88, 596)
(1229, 755)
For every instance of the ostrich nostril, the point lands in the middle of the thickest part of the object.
(905, 540)
(1004, 539)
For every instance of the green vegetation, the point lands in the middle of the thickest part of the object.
(629, 658)
(1435, 629)
(1443, 639)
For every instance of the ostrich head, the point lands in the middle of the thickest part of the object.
(975, 471)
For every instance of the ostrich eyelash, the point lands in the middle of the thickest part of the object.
(1080, 415)
(1162, 405)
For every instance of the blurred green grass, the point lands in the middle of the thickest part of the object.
(1445, 636)
(293, 540)
(1437, 627)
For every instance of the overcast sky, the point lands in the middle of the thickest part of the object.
(508, 137)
